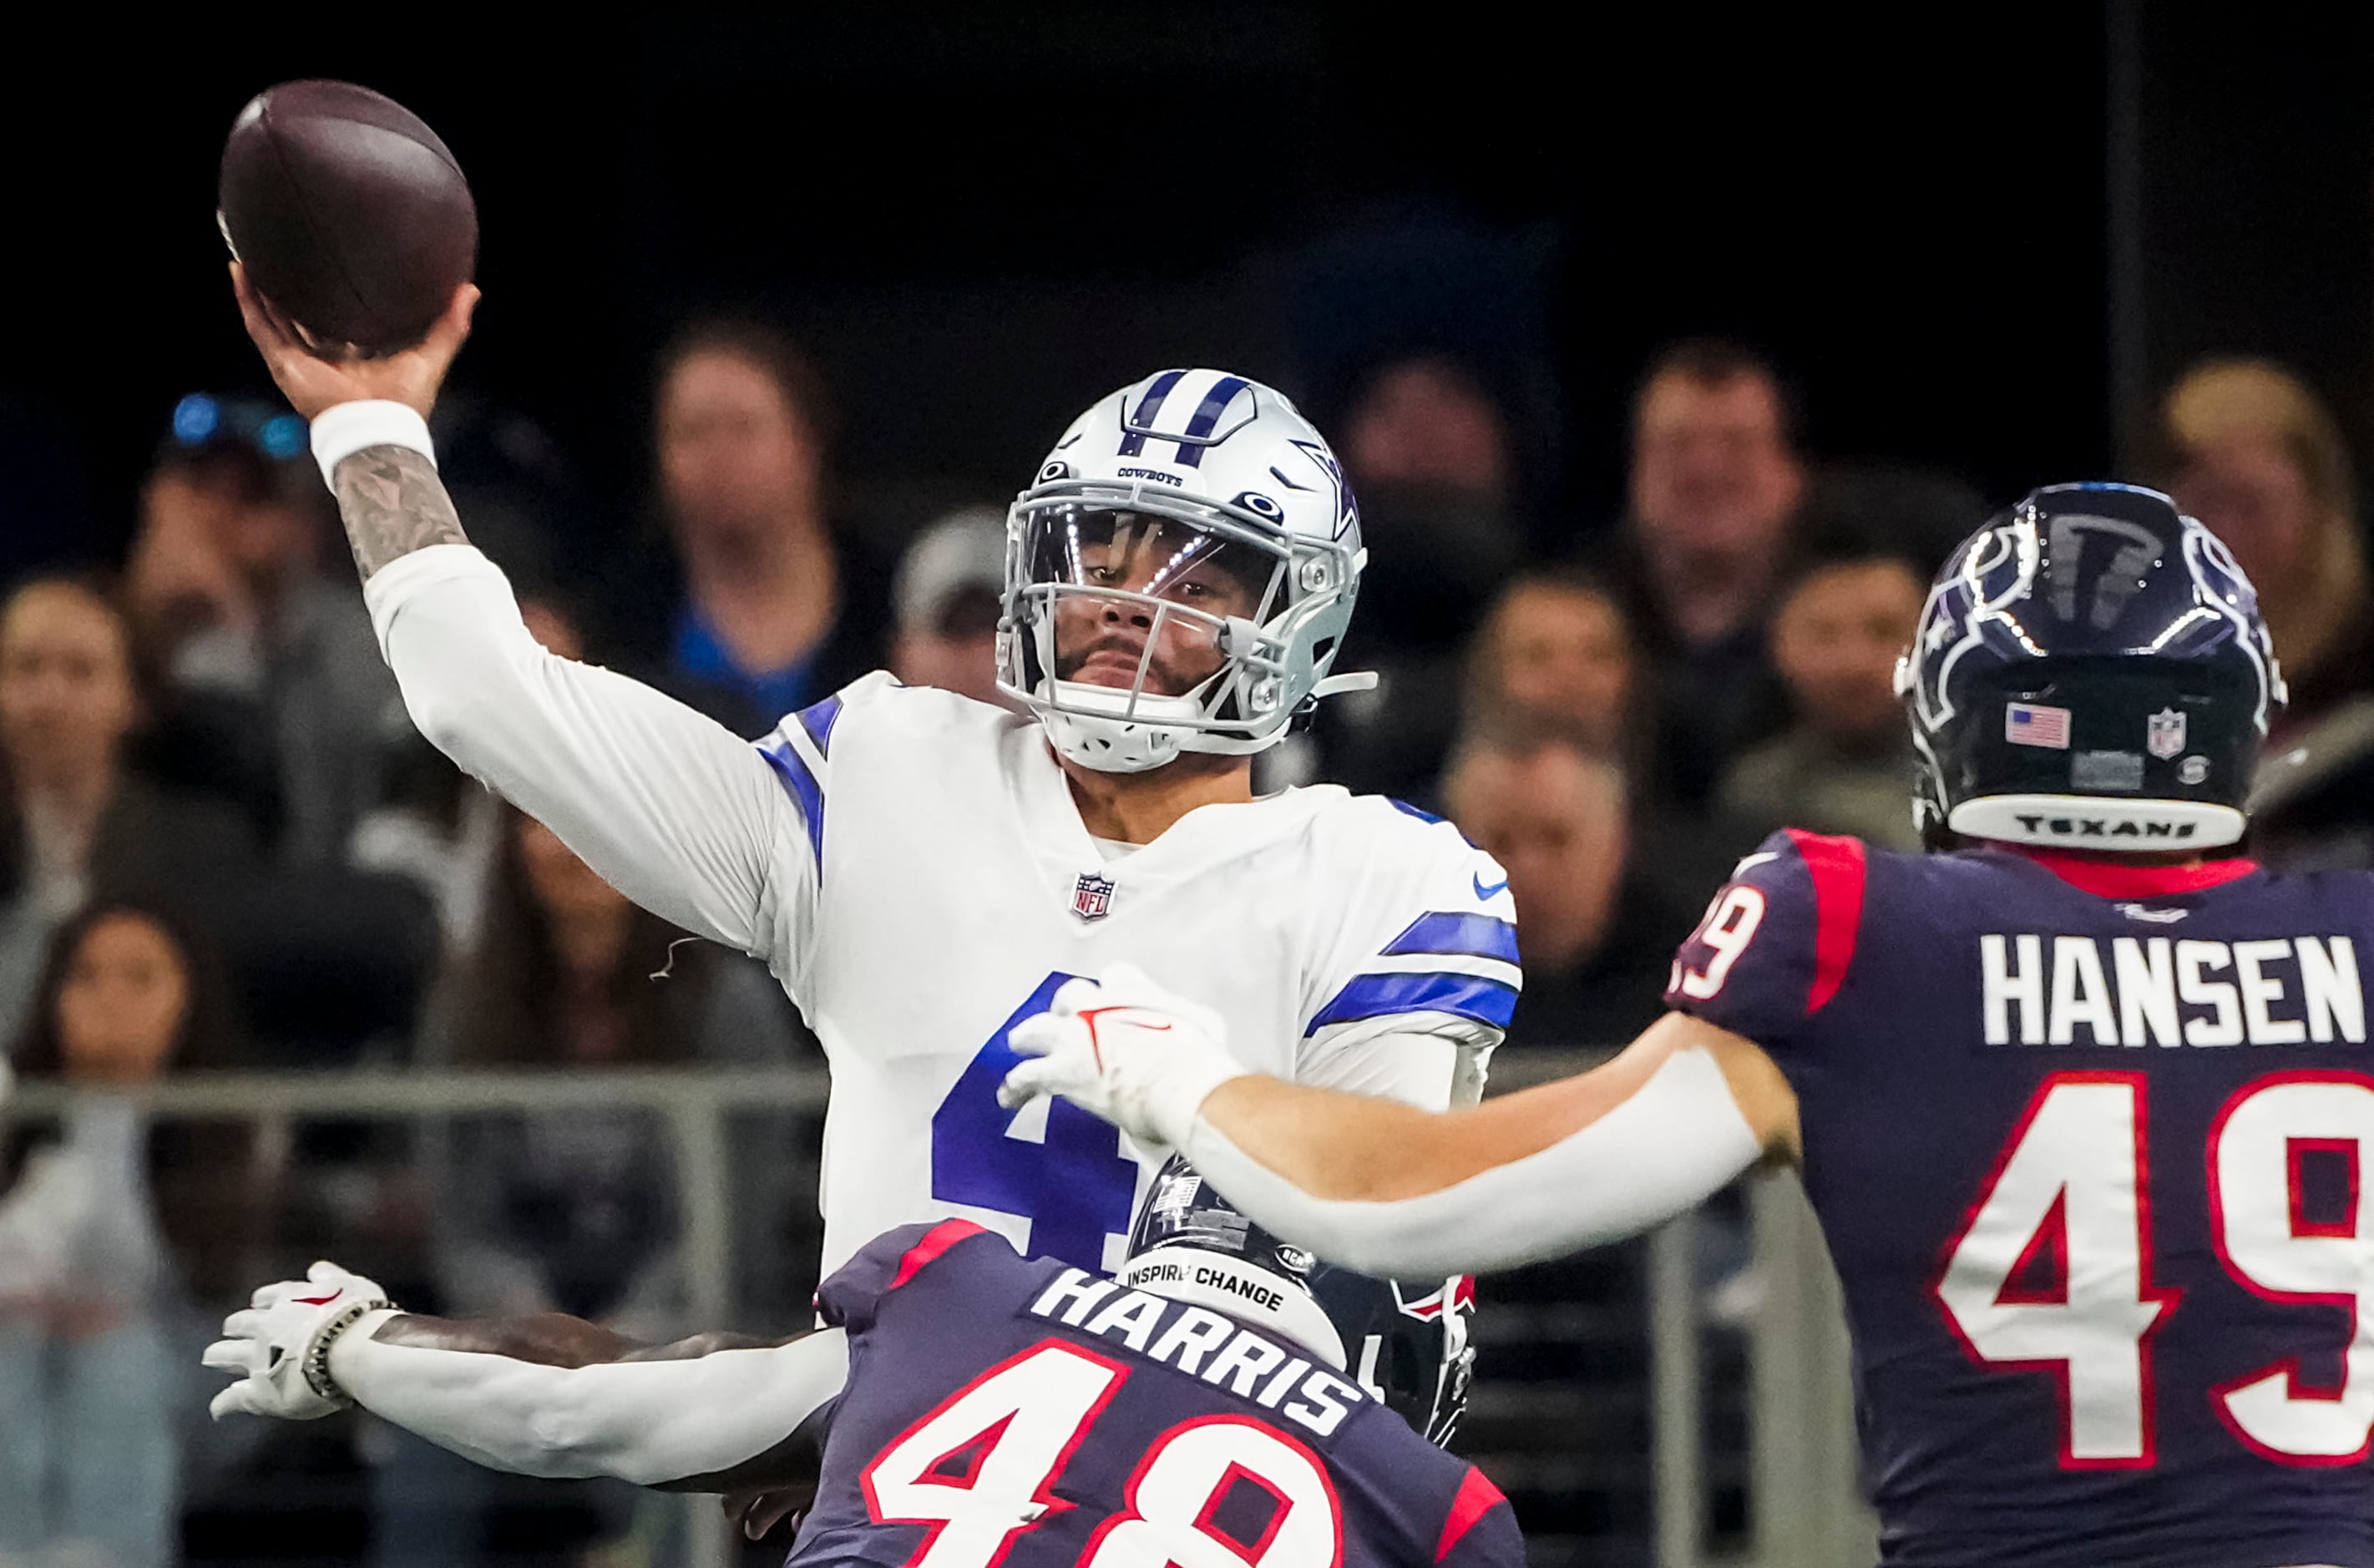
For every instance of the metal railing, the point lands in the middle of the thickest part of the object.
(1805, 1505)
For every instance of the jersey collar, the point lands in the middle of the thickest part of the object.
(2108, 879)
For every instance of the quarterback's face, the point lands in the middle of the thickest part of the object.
(1102, 640)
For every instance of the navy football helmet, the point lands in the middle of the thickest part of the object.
(2090, 670)
(1407, 1346)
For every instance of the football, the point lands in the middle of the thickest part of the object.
(348, 213)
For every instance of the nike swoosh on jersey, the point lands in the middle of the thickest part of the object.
(1484, 892)
(1750, 863)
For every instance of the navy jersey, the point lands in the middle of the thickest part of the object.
(2088, 1145)
(1005, 1411)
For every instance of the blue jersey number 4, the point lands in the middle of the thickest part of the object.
(1075, 1187)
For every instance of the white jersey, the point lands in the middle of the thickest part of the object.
(911, 866)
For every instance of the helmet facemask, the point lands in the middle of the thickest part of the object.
(1140, 625)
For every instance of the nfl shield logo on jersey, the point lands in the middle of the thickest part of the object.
(2164, 733)
(1092, 896)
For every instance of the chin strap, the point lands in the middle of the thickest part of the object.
(1351, 680)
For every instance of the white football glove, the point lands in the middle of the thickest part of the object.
(280, 1344)
(1138, 1055)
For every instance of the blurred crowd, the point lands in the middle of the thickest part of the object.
(223, 846)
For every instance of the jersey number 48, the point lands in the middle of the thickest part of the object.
(2073, 1182)
(981, 1467)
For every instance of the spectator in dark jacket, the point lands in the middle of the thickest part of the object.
(77, 824)
(1715, 489)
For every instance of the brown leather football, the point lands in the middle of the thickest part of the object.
(348, 213)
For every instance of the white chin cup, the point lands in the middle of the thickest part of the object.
(2095, 822)
(1236, 1289)
(1086, 724)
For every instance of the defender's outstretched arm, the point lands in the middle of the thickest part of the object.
(1387, 1189)
(1588, 1160)
(543, 1395)
(673, 810)
(703, 1416)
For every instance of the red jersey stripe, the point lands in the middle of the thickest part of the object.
(2108, 879)
(1476, 1498)
(936, 1240)
(1836, 865)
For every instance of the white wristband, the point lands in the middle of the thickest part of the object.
(341, 431)
(1168, 1100)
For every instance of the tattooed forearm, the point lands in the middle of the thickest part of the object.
(393, 504)
(552, 1339)
(548, 1338)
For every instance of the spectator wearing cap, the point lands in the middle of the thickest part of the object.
(1846, 763)
(1715, 488)
(777, 609)
(1598, 930)
(949, 593)
(275, 694)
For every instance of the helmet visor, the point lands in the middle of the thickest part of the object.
(1139, 601)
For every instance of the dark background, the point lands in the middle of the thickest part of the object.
(1960, 242)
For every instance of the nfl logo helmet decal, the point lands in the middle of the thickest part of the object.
(2164, 733)
(1092, 896)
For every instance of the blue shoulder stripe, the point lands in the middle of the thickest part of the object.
(818, 720)
(1467, 935)
(1428, 818)
(799, 781)
(1373, 996)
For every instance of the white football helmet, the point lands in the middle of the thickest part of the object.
(1196, 542)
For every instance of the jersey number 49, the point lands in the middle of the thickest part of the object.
(2073, 1182)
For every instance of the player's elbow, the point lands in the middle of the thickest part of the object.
(568, 1434)
(463, 718)
(443, 718)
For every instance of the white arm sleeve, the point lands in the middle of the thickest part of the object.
(673, 810)
(1431, 1060)
(645, 1422)
(1674, 1142)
